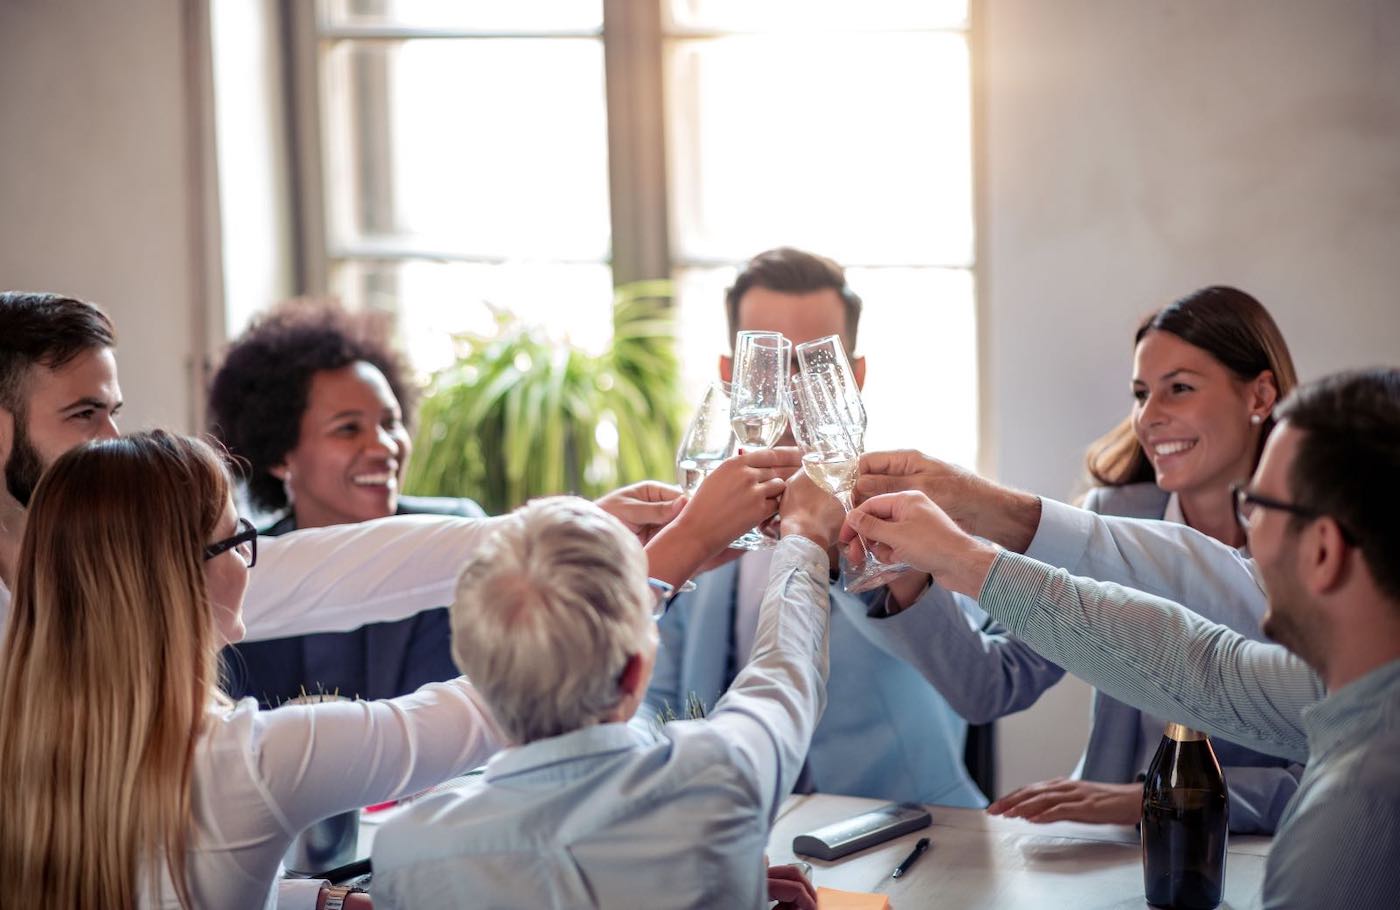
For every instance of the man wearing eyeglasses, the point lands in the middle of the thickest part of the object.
(1323, 521)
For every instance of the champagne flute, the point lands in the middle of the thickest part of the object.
(758, 402)
(831, 457)
(829, 353)
(707, 442)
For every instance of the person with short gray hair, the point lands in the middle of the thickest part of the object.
(550, 613)
(553, 623)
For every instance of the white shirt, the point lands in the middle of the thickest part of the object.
(611, 816)
(260, 777)
(339, 578)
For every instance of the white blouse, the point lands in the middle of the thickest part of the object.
(341, 577)
(260, 777)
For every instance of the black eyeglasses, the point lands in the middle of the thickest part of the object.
(1246, 501)
(245, 541)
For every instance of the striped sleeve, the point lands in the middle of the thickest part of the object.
(1156, 655)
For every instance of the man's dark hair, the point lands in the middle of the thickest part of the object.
(1348, 461)
(46, 330)
(259, 394)
(791, 271)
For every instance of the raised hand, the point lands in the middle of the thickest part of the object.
(810, 511)
(744, 490)
(739, 494)
(910, 528)
(1064, 800)
(978, 506)
(645, 507)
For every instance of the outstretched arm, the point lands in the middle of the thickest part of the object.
(1135, 647)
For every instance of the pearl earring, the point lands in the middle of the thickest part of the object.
(1256, 419)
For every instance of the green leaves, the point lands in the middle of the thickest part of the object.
(519, 416)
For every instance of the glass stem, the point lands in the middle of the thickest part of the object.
(847, 503)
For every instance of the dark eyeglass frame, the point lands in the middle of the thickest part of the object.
(246, 534)
(1245, 500)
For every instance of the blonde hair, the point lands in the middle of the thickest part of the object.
(547, 614)
(106, 672)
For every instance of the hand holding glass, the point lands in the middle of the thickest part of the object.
(758, 402)
(707, 442)
(831, 457)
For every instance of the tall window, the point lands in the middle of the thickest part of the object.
(465, 152)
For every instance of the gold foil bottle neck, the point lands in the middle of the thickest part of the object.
(1183, 734)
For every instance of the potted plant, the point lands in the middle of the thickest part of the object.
(519, 415)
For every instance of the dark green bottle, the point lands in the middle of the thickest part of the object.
(1185, 823)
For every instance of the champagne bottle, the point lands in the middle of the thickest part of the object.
(1185, 823)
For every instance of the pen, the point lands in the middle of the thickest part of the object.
(903, 867)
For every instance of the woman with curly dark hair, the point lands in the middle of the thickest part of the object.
(317, 403)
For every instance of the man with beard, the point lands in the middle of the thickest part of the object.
(1321, 517)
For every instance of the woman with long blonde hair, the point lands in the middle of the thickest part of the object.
(127, 778)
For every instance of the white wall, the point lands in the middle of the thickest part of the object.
(1134, 151)
(96, 177)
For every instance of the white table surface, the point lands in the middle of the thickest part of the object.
(978, 860)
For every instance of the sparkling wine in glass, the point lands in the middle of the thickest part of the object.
(758, 401)
(828, 354)
(707, 442)
(831, 457)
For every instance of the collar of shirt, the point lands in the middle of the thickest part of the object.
(1173, 511)
(1355, 712)
(590, 742)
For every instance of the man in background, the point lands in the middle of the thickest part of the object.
(886, 732)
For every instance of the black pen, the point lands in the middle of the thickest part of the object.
(903, 867)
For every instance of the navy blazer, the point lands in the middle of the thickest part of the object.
(380, 660)
(886, 732)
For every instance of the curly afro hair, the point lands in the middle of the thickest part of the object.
(259, 393)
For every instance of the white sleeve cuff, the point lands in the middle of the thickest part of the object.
(299, 893)
(1062, 535)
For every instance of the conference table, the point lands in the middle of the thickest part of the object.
(978, 860)
(983, 861)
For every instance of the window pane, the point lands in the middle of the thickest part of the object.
(917, 334)
(481, 147)
(434, 300)
(856, 146)
(478, 15)
(796, 15)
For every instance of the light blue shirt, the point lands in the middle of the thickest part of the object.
(616, 816)
(1340, 833)
(985, 673)
(886, 733)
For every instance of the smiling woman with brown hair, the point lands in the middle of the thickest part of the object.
(1207, 372)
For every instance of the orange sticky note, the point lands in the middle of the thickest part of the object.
(831, 899)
